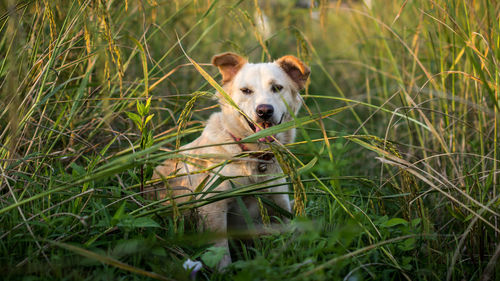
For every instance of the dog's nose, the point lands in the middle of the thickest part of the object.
(265, 111)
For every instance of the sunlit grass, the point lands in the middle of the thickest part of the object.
(397, 148)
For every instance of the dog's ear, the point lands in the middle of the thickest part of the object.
(295, 68)
(229, 64)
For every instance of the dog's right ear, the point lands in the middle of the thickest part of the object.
(229, 64)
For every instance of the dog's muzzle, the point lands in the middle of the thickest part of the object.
(263, 124)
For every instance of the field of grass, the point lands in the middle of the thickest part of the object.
(398, 170)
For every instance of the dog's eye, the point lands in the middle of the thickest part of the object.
(246, 91)
(275, 88)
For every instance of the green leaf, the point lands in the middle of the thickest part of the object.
(127, 247)
(140, 108)
(159, 252)
(213, 256)
(139, 222)
(146, 108)
(407, 263)
(408, 244)
(148, 119)
(136, 119)
(469, 217)
(309, 165)
(77, 169)
(150, 139)
(393, 222)
(119, 214)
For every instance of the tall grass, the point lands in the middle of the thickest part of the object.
(396, 161)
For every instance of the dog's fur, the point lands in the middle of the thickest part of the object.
(249, 85)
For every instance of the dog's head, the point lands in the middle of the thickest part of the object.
(266, 92)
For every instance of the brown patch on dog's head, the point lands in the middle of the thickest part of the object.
(295, 68)
(229, 64)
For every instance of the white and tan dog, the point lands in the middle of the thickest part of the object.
(265, 93)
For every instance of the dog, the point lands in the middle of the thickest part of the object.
(267, 94)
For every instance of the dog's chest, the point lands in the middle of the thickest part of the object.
(253, 170)
(266, 162)
(263, 170)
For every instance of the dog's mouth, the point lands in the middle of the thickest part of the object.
(263, 125)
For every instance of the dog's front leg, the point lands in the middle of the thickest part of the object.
(282, 199)
(214, 219)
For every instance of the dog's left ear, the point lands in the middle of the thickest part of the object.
(295, 68)
(229, 64)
